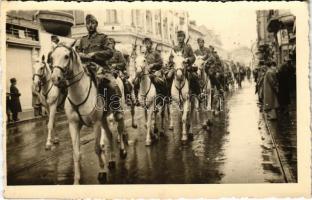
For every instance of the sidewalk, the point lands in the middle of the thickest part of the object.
(27, 116)
(284, 135)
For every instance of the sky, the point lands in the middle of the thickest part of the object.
(236, 27)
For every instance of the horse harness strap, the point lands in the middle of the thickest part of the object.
(181, 99)
(149, 88)
(76, 107)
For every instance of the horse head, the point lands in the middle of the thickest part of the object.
(178, 61)
(66, 62)
(200, 64)
(140, 64)
(41, 72)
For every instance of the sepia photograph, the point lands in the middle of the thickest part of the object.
(130, 94)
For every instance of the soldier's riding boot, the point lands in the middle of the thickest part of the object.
(136, 87)
(128, 92)
(194, 85)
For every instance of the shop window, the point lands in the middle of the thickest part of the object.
(79, 17)
(111, 17)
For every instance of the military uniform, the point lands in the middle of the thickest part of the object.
(97, 44)
(187, 53)
(118, 65)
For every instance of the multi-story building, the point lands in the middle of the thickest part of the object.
(276, 34)
(130, 26)
(194, 32)
(28, 35)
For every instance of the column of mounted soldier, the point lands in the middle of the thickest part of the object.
(100, 49)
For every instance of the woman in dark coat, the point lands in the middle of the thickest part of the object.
(15, 101)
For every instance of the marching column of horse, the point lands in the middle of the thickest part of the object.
(98, 93)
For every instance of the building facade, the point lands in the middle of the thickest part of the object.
(28, 35)
(276, 34)
(130, 26)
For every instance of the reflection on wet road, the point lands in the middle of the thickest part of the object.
(237, 150)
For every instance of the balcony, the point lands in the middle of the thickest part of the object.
(56, 22)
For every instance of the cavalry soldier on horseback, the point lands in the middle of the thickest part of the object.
(94, 50)
(155, 63)
(189, 56)
(118, 66)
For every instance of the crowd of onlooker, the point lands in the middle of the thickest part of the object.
(275, 85)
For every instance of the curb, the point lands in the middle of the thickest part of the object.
(289, 178)
(32, 119)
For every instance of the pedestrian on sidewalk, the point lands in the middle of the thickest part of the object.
(36, 103)
(15, 101)
(284, 80)
(270, 91)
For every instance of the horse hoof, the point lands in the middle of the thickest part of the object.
(123, 153)
(161, 134)
(171, 128)
(148, 143)
(155, 130)
(48, 147)
(102, 177)
(184, 142)
(191, 136)
(134, 126)
(56, 141)
(111, 165)
(204, 127)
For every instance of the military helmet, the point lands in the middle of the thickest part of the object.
(200, 39)
(147, 39)
(90, 17)
(181, 33)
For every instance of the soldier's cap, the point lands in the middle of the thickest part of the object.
(180, 33)
(90, 17)
(200, 39)
(111, 41)
(147, 39)
(13, 80)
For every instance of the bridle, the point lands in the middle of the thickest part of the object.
(66, 71)
(42, 78)
(68, 76)
(140, 77)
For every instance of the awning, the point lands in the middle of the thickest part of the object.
(277, 22)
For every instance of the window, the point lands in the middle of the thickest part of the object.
(149, 23)
(79, 17)
(111, 16)
(22, 32)
(158, 23)
(165, 28)
(182, 21)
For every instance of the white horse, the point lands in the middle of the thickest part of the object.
(205, 84)
(180, 93)
(50, 97)
(148, 98)
(84, 106)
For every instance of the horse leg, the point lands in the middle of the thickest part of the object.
(162, 129)
(100, 139)
(74, 129)
(185, 118)
(52, 111)
(149, 113)
(170, 116)
(107, 135)
(123, 136)
(134, 125)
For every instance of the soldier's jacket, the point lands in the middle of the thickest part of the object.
(187, 52)
(203, 52)
(98, 43)
(153, 57)
(118, 60)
